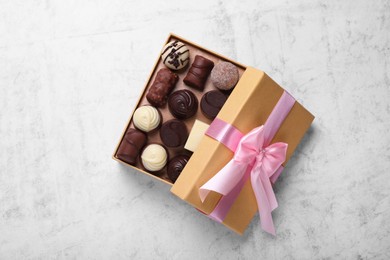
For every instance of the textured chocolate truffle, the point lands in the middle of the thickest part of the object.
(174, 133)
(212, 103)
(162, 86)
(183, 104)
(224, 75)
(131, 145)
(198, 72)
(176, 166)
(175, 55)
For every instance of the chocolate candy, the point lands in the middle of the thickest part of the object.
(211, 103)
(174, 133)
(154, 157)
(146, 118)
(131, 145)
(183, 104)
(224, 75)
(175, 55)
(197, 132)
(162, 86)
(176, 166)
(198, 73)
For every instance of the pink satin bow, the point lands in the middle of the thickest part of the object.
(255, 157)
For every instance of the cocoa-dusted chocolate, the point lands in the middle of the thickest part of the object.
(175, 55)
(211, 103)
(198, 72)
(131, 145)
(174, 133)
(162, 86)
(224, 75)
(182, 104)
(176, 166)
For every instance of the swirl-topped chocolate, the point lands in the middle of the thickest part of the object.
(183, 104)
(175, 55)
(176, 166)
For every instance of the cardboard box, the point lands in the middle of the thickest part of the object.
(247, 107)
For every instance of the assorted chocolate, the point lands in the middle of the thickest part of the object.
(197, 132)
(182, 104)
(154, 157)
(176, 138)
(173, 133)
(176, 166)
(224, 75)
(147, 118)
(211, 103)
(198, 73)
(175, 55)
(162, 86)
(131, 146)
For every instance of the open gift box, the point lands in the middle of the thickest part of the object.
(256, 100)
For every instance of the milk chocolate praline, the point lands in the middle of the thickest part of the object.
(176, 166)
(174, 133)
(131, 145)
(183, 104)
(198, 73)
(162, 86)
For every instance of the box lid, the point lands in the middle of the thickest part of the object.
(248, 106)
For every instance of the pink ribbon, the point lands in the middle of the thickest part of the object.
(255, 158)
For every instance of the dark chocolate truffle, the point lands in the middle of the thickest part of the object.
(198, 72)
(176, 166)
(131, 145)
(174, 133)
(224, 75)
(211, 103)
(182, 104)
(162, 86)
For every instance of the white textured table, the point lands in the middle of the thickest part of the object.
(71, 73)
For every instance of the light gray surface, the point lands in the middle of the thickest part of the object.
(71, 73)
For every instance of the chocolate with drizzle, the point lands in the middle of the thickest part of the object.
(174, 58)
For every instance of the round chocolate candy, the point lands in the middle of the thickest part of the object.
(146, 118)
(174, 133)
(175, 55)
(211, 103)
(224, 75)
(154, 157)
(182, 104)
(176, 166)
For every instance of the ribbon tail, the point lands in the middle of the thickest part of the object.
(265, 197)
(225, 180)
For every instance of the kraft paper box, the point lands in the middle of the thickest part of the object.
(247, 107)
